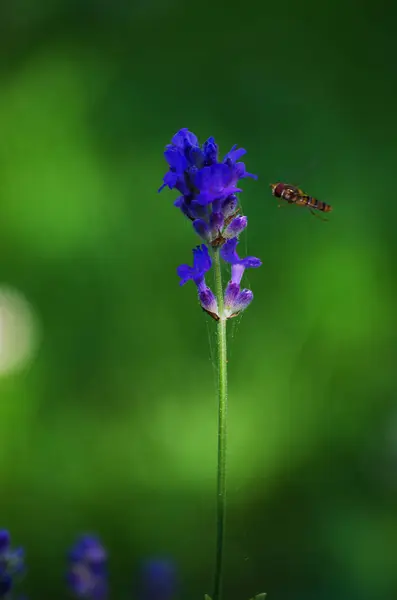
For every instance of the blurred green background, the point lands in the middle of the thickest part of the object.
(107, 395)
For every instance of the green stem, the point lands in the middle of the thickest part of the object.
(222, 430)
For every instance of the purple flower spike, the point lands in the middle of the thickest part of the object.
(158, 580)
(235, 227)
(87, 573)
(209, 188)
(11, 563)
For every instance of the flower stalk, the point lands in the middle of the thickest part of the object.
(222, 430)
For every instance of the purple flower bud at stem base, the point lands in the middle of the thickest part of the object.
(235, 300)
(207, 299)
(231, 293)
(243, 300)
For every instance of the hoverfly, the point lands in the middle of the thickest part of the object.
(293, 195)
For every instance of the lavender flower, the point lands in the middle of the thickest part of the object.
(87, 573)
(11, 563)
(209, 191)
(157, 580)
(208, 187)
(209, 199)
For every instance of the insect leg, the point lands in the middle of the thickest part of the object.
(318, 216)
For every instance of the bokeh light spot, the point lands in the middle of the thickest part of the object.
(18, 331)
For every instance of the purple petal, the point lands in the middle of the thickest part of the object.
(184, 137)
(216, 223)
(237, 225)
(197, 210)
(202, 229)
(251, 262)
(179, 201)
(229, 254)
(233, 155)
(240, 172)
(244, 298)
(196, 157)
(185, 272)
(201, 264)
(205, 198)
(208, 300)
(237, 272)
(214, 179)
(228, 251)
(203, 178)
(183, 206)
(201, 259)
(221, 177)
(170, 180)
(176, 159)
(231, 293)
(216, 206)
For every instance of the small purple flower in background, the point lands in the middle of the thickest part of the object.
(87, 572)
(11, 563)
(157, 580)
(209, 199)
